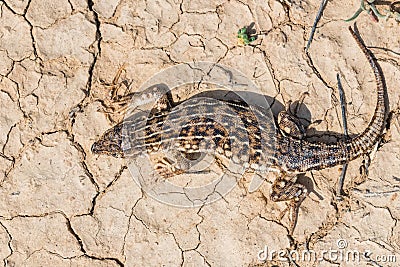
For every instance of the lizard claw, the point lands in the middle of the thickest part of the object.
(286, 188)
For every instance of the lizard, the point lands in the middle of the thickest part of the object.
(290, 155)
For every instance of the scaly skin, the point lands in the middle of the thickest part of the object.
(299, 155)
(244, 134)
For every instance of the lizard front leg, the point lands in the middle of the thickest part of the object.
(286, 188)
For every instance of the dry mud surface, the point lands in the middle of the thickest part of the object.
(61, 205)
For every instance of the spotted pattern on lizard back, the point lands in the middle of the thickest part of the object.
(242, 135)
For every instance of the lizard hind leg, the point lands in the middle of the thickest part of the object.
(290, 125)
(288, 121)
(286, 188)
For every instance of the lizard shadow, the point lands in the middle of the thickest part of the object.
(308, 184)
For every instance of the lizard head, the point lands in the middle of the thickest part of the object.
(110, 143)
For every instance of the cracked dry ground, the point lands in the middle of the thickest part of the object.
(61, 205)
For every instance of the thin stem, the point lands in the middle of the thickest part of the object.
(339, 191)
(376, 12)
(314, 27)
(358, 12)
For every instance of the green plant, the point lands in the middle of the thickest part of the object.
(245, 37)
(370, 7)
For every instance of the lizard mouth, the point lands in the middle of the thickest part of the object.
(96, 148)
(112, 149)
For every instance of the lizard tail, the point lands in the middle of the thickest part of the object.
(317, 156)
(368, 138)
